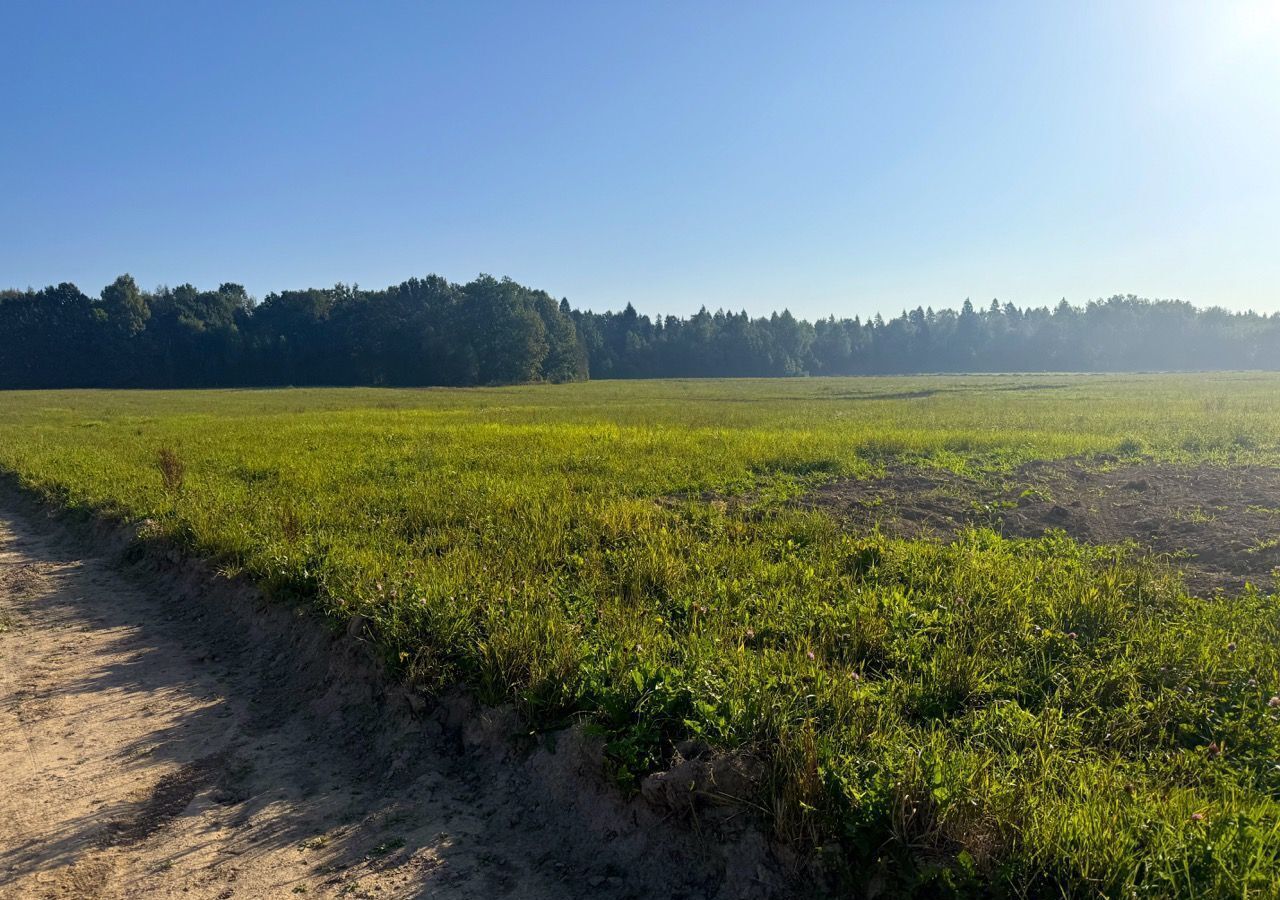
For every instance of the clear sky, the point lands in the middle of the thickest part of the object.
(827, 157)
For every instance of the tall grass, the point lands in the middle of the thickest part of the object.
(983, 716)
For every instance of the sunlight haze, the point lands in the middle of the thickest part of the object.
(830, 158)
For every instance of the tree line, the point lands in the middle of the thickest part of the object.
(425, 331)
(430, 331)
(1119, 334)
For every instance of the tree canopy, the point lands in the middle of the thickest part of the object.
(421, 332)
(430, 331)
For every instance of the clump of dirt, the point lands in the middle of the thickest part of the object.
(700, 778)
(1220, 525)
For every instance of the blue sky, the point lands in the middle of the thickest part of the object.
(827, 157)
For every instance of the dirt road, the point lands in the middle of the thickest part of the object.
(152, 745)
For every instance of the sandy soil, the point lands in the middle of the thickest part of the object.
(1219, 525)
(154, 744)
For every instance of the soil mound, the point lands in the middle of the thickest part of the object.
(1220, 525)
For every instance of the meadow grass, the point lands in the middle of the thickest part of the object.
(981, 716)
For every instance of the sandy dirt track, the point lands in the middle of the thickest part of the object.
(154, 747)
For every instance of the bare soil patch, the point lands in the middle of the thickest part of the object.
(1220, 525)
(165, 732)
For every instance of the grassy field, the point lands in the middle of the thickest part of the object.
(983, 715)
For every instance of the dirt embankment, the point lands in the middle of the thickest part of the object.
(1220, 525)
(164, 733)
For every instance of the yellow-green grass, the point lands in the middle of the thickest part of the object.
(986, 715)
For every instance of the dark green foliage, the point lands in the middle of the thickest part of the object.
(432, 332)
(422, 332)
(125, 306)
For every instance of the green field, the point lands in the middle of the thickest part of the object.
(981, 714)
